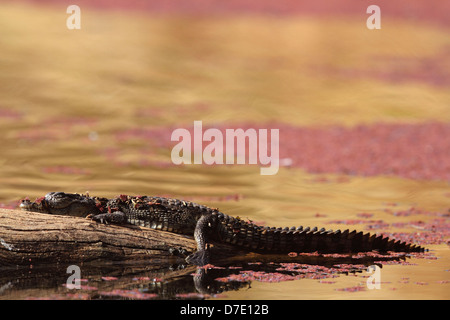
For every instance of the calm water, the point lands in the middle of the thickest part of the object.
(92, 110)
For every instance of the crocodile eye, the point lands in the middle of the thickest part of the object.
(55, 194)
(25, 204)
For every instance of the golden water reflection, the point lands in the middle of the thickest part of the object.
(64, 96)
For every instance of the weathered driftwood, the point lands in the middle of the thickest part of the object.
(29, 238)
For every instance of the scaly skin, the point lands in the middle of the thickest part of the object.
(208, 225)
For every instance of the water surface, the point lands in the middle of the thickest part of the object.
(92, 110)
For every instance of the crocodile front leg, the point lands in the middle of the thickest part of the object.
(116, 217)
(202, 232)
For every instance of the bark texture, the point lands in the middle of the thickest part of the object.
(35, 238)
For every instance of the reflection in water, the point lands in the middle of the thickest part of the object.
(122, 281)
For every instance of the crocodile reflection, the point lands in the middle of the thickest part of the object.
(122, 281)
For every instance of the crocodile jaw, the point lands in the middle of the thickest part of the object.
(28, 205)
(62, 203)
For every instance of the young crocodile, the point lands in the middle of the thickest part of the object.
(207, 225)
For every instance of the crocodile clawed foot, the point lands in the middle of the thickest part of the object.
(184, 252)
(100, 218)
(179, 252)
(116, 217)
(175, 267)
(199, 258)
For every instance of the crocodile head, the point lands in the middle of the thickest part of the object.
(71, 204)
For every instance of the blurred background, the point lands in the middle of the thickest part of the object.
(363, 114)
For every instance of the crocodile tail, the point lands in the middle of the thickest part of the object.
(348, 241)
(285, 240)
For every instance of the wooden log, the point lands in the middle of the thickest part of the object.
(29, 238)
